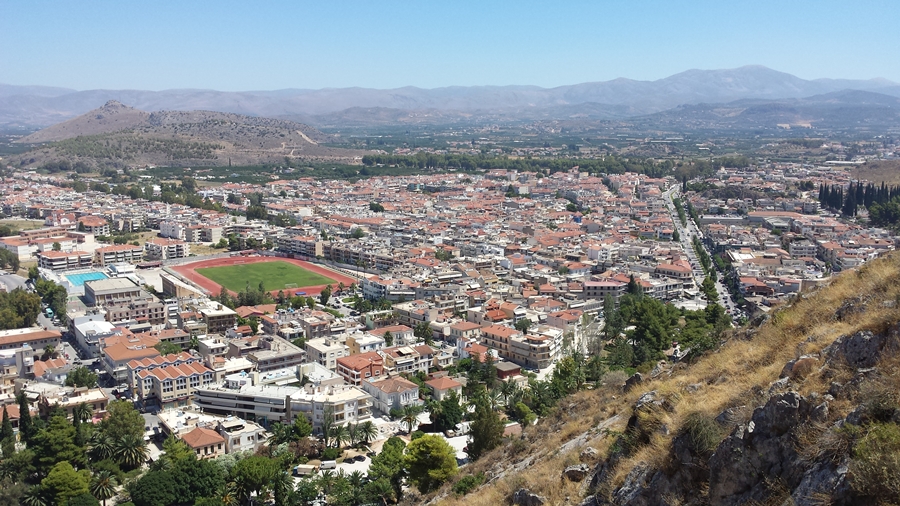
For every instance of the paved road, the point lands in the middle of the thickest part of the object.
(12, 281)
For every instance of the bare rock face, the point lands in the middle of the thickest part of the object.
(524, 497)
(577, 472)
(762, 450)
(863, 349)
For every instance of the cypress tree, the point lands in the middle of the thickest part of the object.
(26, 426)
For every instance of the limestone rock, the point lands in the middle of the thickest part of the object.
(859, 350)
(577, 472)
(589, 454)
(634, 381)
(524, 497)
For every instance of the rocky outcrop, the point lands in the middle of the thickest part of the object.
(524, 497)
(577, 472)
(634, 381)
(863, 349)
(754, 456)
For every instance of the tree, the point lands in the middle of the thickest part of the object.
(122, 419)
(430, 461)
(422, 331)
(154, 489)
(254, 475)
(450, 413)
(301, 427)
(388, 338)
(7, 436)
(193, 479)
(56, 443)
(26, 426)
(324, 295)
(130, 450)
(358, 233)
(56, 246)
(409, 416)
(486, 429)
(81, 376)
(389, 466)
(523, 325)
(33, 273)
(367, 431)
(103, 486)
(64, 482)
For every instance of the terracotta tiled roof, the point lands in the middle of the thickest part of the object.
(202, 437)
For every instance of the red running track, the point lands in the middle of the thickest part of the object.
(189, 271)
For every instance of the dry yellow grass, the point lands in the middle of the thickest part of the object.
(738, 374)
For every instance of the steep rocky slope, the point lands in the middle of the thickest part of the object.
(800, 407)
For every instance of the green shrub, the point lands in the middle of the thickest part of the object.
(468, 483)
(875, 466)
(331, 453)
(416, 435)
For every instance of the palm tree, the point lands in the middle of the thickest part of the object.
(340, 434)
(353, 434)
(103, 486)
(493, 396)
(131, 451)
(409, 416)
(229, 496)
(281, 433)
(82, 412)
(282, 487)
(368, 431)
(36, 496)
(508, 390)
(327, 480)
(101, 447)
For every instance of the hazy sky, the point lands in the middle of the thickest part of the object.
(260, 45)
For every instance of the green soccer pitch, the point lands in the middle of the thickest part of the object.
(274, 276)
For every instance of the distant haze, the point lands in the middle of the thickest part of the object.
(36, 106)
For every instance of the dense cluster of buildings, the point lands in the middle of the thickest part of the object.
(487, 272)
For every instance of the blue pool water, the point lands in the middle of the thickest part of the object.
(79, 279)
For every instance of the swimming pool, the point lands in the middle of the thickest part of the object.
(79, 279)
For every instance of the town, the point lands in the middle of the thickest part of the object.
(433, 291)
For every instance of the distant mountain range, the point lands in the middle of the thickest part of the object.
(37, 106)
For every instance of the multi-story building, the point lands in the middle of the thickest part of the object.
(147, 309)
(344, 403)
(325, 351)
(217, 317)
(392, 393)
(36, 338)
(162, 248)
(117, 351)
(102, 292)
(408, 359)
(168, 381)
(364, 342)
(64, 261)
(239, 397)
(118, 253)
(360, 367)
(276, 353)
(464, 329)
(96, 225)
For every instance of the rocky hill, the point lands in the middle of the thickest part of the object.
(801, 407)
(115, 135)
